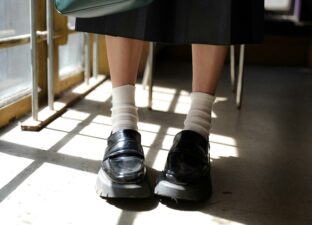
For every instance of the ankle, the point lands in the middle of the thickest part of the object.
(124, 111)
(198, 118)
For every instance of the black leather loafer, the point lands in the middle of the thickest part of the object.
(187, 172)
(123, 173)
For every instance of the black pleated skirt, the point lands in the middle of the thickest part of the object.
(219, 22)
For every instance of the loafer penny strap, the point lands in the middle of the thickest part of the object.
(194, 152)
(124, 148)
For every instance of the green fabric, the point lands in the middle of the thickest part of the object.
(95, 8)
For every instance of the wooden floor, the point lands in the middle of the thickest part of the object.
(261, 156)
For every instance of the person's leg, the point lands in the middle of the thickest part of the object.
(208, 62)
(123, 57)
(122, 174)
(187, 172)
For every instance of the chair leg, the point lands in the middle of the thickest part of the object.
(148, 75)
(240, 78)
(232, 61)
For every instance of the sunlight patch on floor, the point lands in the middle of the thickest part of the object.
(96, 130)
(222, 146)
(100, 119)
(44, 140)
(219, 150)
(167, 142)
(173, 131)
(162, 97)
(221, 99)
(101, 94)
(67, 122)
(183, 103)
(11, 166)
(160, 160)
(84, 147)
(55, 190)
(64, 124)
(148, 138)
(218, 99)
(162, 105)
(221, 139)
(141, 96)
(75, 115)
(149, 127)
(165, 216)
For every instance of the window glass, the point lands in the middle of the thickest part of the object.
(71, 55)
(10, 23)
(278, 5)
(15, 71)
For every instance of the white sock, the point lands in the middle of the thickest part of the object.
(198, 118)
(124, 111)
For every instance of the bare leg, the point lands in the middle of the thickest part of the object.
(208, 62)
(124, 58)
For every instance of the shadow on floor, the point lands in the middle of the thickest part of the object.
(268, 182)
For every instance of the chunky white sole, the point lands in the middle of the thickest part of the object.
(194, 192)
(106, 188)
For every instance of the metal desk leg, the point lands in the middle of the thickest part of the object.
(240, 79)
(50, 8)
(87, 58)
(232, 53)
(148, 75)
(95, 56)
(34, 60)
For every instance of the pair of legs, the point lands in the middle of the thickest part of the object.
(187, 171)
(124, 58)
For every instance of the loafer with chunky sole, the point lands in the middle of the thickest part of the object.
(123, 172)
(187, 172)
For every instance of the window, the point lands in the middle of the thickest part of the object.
(15, 62)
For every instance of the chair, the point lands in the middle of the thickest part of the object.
(237, 86)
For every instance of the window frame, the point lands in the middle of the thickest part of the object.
(22, 105)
